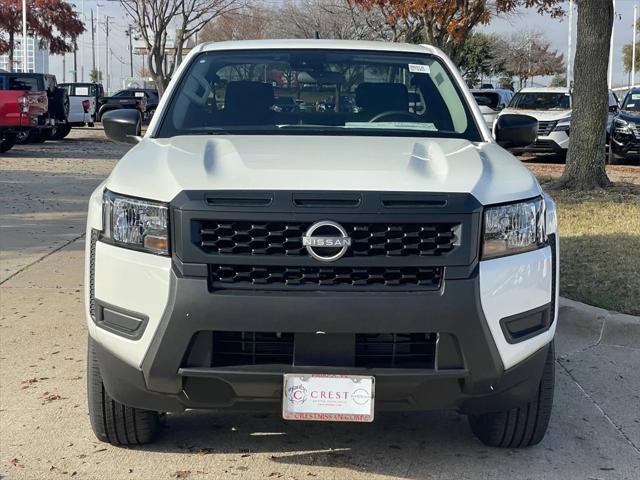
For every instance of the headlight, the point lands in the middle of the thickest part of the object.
(621, 126)
(136, 223)
(514, 228)
(563, 125)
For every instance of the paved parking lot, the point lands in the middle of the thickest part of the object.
(44, 427)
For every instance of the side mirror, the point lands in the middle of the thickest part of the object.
(123, 126)
(613, 108)
(514, 130)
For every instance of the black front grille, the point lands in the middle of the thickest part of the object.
(377, 350)
(396, 350)
(252, 348)
(367, 239)
(545, 128)
(275, 276)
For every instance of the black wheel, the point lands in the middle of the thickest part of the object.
(59, 105)
(7, 141)
(23, 137)
(112, 421)
(523, 426)
(612, 158)
(60, 132)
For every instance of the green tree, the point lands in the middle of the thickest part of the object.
(627, 52)
(477, 58)
(558, 80)
(95, 75)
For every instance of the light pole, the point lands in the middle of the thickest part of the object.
(613, 27)
(24, 37)
(633, 47)
(569, 45)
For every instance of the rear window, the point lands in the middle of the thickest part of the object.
(487, 99)
(23, 83)
(318, 92)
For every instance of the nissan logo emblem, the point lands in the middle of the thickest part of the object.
(326, 241)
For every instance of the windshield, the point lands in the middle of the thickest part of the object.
(632, 102)
(541, 101)
(318, 92)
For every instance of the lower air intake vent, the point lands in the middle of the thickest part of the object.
(252, 348)
(396, 350)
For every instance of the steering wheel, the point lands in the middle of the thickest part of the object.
(388, 113)
(206, 87)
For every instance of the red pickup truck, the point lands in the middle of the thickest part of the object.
(19, 111)
(32, 108)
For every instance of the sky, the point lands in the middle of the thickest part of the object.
(555, 32)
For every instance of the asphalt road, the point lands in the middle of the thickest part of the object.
(44, 427)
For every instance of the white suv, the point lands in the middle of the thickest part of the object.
(551, 106)
(329, 262)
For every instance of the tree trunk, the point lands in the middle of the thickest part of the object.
(585, 169)
(12, 45)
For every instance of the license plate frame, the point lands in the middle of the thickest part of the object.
(328, 397)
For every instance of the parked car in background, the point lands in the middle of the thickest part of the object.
(53, 116)
(624, 139)
(123, 99)
(19, 112)
(552, 106)
(83, 102)
(151, 99)
(491, 102)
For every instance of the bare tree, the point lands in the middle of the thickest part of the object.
(336, 19)
(585, 168)
(248, 23)
(525, 55)
(156, 19)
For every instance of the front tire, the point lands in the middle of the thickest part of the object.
(612, 158)
(7, 141)
(61, 132)
(112, 421)
(523, 426)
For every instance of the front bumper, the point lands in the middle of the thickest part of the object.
(556, 142)
(476, 368)
(625, 144)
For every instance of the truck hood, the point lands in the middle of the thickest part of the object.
(540, 115)
(161, 168)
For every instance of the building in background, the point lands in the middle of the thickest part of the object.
(37, 57)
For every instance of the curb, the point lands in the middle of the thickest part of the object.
(609, 328)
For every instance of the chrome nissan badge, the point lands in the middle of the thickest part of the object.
(326, 241)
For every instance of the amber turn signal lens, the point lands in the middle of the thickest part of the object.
(157, 243)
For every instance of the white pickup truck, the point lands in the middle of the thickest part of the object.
(325, 263)
(83, 103)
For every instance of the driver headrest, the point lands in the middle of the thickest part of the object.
(382, 97)
(247, 96)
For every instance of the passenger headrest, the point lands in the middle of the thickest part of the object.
(382, 97)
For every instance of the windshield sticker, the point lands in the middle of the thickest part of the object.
(427, 127)
(417, 68)
(631, 105)
(635, 96)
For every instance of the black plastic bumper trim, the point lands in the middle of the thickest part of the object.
(124, 323)
(523, 326)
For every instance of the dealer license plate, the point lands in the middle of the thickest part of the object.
(330, 398)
